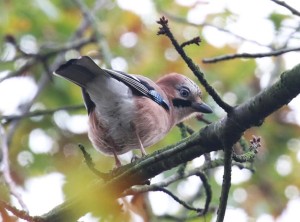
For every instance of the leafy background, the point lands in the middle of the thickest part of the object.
(47, 145)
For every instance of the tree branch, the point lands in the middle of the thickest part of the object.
(181, 202)
(183, 20)
(19, 213)
(9, 118)
(175, 177)
(292, 10)
(226, 183)
(6, 169)
(249, 55)
(208, 191)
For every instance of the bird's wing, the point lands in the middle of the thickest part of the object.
(140, 86)
(130, 81)
(84, 70)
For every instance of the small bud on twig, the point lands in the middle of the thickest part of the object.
(195, 40)
(164, 25)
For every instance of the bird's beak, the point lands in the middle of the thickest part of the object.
(201, 107)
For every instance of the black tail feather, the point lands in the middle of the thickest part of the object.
(79, 71)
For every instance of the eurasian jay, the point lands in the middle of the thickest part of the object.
(131, 111)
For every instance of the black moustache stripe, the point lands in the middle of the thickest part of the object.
(181, 103)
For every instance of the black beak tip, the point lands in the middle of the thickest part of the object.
(202, 107)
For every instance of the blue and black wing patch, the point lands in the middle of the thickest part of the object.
(139, 86)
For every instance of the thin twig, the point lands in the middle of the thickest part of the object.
(165, 30)
(226, 184)
(207, 189)
(93, 22)
(34, 59)
(89, 162)
(250, 152)
(187, 128)
(20, 213)
(29, 63)
(292, 10)
(177, 219)
(5, 216)
(183, 203)
(183, 130)
(195, 41)
(175, 177)
(249, 55)
(6, 168)
(183, 20)
(184, 134)
(245, 157)
(8, 118)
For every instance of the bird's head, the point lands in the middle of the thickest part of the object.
(184, 96)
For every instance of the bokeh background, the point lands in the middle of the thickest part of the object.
(45, 162)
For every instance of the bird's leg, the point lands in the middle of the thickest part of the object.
(143, 151)
(139, 140)
(118, 162)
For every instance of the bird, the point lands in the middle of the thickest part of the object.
(127, 111)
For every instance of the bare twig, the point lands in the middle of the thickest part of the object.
(29, 63)
(44, 80)
(177, 219)
(292, 10)
(195, 41)
(20, 213)
(181, 202)
(183, 130)
(34, 59)
(184, 134)
(165, 30)
(246, 157)
(89, 162)
(183, 20)
(5, 216)
(208, 191)
(6, 169)
(93, 22)
(250, 55)
(175, 177)
(9, 118)
(226, 183)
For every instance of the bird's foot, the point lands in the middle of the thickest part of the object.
(134, 158)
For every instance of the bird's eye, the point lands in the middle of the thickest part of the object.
(184, 92)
